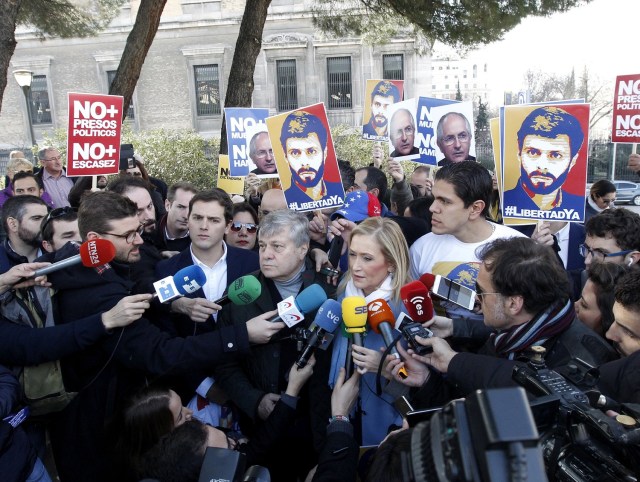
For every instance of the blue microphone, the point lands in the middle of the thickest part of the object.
(327, 321)
(291, 311)
(187, 280)
(190, 279)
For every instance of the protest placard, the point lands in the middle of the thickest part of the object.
(626, 109)
(378, 96)
(238, 120)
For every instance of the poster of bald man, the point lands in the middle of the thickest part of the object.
(261, 159)
(379, 95)
(545, 161)
(306, 160)
(238, 121)
(454, 133)
(403, 142)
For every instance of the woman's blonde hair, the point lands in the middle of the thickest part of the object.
(389, 238)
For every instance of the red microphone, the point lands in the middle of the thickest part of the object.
(417, 301)
(94, 252)
(428, 280)
(381, 320)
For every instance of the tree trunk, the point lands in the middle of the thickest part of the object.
(248, 46)
(138, 44)
(8, 15)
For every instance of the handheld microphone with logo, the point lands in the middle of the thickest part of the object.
(94, 252)
(291, 311)
(428, 280)
(354, 315)
(243, 291)
(417, 301)
(381, 320)
(327, 320)
(187, 280)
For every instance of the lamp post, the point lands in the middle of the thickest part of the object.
(23, 78)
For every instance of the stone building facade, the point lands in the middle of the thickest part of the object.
(184, 78)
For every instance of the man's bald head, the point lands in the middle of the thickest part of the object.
(272, 200)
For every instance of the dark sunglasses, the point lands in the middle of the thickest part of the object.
(250, 227)
(57, 213)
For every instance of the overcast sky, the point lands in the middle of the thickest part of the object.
(602, 35)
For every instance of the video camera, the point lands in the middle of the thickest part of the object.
(489, 436)
(579, 441)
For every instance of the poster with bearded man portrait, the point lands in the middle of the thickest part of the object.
(545, 161)
(305, 158)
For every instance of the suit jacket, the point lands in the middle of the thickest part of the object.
(263, 371)
(239, 263)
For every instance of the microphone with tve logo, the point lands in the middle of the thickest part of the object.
(94, 252)
(327, 320)
(291, 311)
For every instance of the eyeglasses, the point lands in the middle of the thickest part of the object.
(57, 213)
(130, 236)
(462, 137)
(250, 227)
(262, 153)
(599, 255)
(56, 158)
(480, 294)
(407, 131)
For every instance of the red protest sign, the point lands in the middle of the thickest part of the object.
(626, 109)
(93, 140)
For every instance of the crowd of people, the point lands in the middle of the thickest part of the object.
(118, 386)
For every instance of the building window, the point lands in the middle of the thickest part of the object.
(475, 71)
(287, 85)
(111, 74)
(39, 100)
(339, 82)
(393, 67)
(207, 89)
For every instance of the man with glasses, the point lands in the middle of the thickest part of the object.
(612, 236)
(122, 362)
(454, 135)
(402, 132)
(525, 297)
(261, 154)
(54, 176)
(209, 218)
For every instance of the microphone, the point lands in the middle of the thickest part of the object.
(354, 315)
(243, 291)
(291, 311)
(187, 280)
(417, 301)
(428, 280)
(326, 321)
(94, 252)
(381, 320)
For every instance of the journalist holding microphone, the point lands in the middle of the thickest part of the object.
(378, 268)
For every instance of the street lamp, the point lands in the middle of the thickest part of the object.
(23, 78)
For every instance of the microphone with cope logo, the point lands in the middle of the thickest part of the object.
(381, 320)
(292, 310)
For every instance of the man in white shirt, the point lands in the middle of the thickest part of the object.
(458, 228)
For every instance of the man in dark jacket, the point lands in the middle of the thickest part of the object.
(524, 294)
(209, 215)
(255, 383)
(107, 372)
